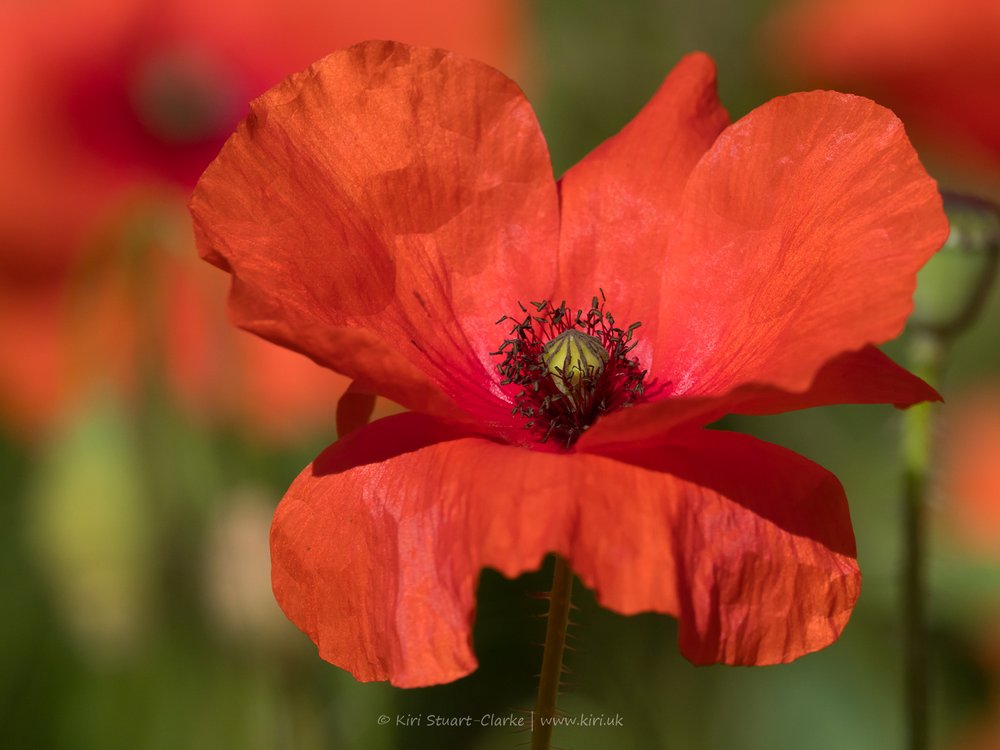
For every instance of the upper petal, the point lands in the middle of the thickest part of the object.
(800, 236)
(619, 203)
(394, 194)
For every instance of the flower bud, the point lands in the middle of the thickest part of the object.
(954, 284)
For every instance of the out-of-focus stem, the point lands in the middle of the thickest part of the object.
(927, 360)
(974, 241)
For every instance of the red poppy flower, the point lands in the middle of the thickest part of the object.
(100, 95)
(383, 209)
(100, 99)
(931, 61)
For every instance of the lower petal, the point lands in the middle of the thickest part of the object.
(749, 545)
(377, 547)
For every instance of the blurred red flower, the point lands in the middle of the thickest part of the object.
(971, 471)
(971, 505)
(384, 208)
(986, 735)
(929, 60)
(101, 99)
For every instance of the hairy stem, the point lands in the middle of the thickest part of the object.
(555, 646)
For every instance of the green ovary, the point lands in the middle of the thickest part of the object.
(573, 358)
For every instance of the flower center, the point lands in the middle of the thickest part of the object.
(180, 98)
(155, 106)
(571, 368)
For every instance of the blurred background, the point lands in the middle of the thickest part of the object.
(144, 442)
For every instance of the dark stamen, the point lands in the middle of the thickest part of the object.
(563, 402)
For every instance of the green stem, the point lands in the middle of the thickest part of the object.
(555, 646)
(918, 427)
(975, 233)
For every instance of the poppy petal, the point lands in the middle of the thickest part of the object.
(866, 376)
(377, 547)
(398, 194)
(620, 202)
(800, 235)
(749, 545)
(354, 409)
(351, 351)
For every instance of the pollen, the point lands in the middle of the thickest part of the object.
(569, 368)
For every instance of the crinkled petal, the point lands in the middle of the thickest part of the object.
(749, 545)
(396, 194)
(800, 235)
(619, 203)
(377, 547)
